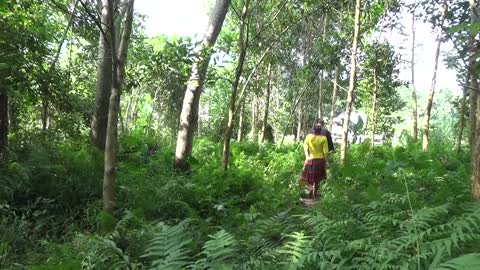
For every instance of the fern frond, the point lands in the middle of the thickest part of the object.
(296, 250)
(169, 247)
(465, 262)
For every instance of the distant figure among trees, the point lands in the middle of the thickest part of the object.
(316, 147)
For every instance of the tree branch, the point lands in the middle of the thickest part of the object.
(94, 18)
(263, 28)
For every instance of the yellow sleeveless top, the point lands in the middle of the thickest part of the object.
(317, 145)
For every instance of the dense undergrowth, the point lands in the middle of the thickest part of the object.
(389, 208)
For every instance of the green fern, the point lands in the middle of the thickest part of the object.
(296, 250)
(169, 248)
(465, 262)
(218, 252)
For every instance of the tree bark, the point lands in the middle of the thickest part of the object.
(473, 110)
(299, 125)
(240, 123)
(242, 46)
(473, 79)
(98, 131)
(189, 114)
(351, 87)
(254, 131)
(12, 116)
(476, 149)
(44, 110)
(3, 126)
(428, 110)
(374, 109)
(119, 57)
(461, 122)
(320, 96)
(474, 107)
(334, 97)
(267, 102)
(320, 89)
(414, 90)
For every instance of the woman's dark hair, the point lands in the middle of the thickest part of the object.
(317, 125)
(317, 128)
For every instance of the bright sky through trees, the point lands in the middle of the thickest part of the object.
(189, 18)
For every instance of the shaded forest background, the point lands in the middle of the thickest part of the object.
(123, 151)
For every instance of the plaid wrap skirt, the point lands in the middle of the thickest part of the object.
(314, 171)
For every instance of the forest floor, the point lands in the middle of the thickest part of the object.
(408, 209)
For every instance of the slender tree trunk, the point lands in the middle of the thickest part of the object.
(299, 125)
(44, 111)
(254, 131)
(320, 96)
(3, 126)
(240, 123)
(12, 116)
(334, 97)
(351, 87)
(242, 46)
(119, 57)
(320, 89)
(189, 114)
(428, 110)
(473, 110)
(267, 102)
(98, 130)
(373, 118)
(461, 122)
(414, 90)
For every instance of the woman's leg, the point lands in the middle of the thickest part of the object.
(316, 185)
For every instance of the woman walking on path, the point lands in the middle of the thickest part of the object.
(316, 154)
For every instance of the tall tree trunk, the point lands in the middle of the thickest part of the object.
(44, 111)
(240, 123)
(476, 149)
(119, 58)
(189, 114)
(373, 117)
(12, 115)
(242, 47)
(461, 122)
(414, 90)
(3, 126)
(267, 102)
(320, 88)
(473, 110)
(98, 131)
(351, 87)
(334, 97)
(254, 131)
(473, 79)
(299, 125)
(320, 96)
(474, 107)
(428, 110)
